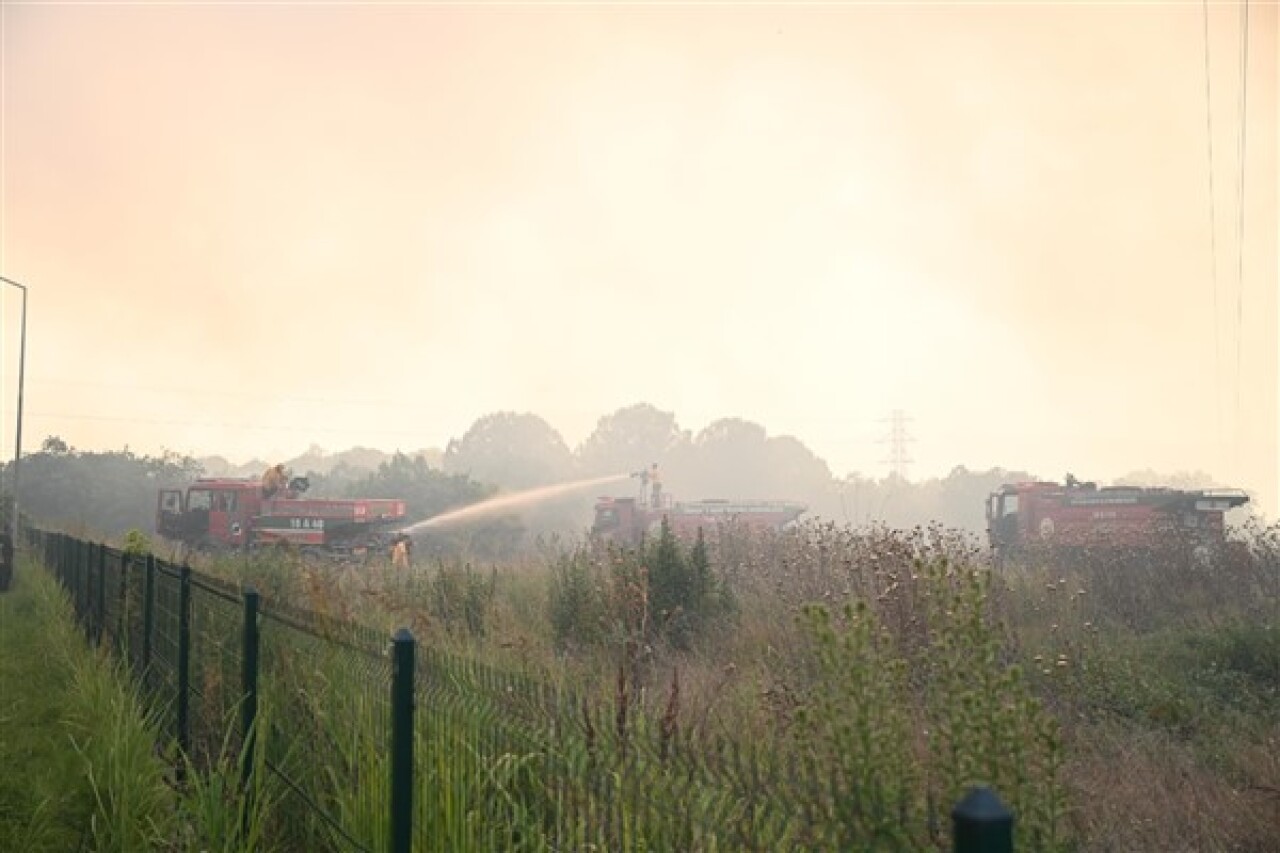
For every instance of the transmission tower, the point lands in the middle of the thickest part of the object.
(897, 439)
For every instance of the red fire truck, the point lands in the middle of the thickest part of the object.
(219, 513)
(629, 520)
(1049, 516)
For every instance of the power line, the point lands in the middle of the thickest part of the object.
(1213, 225)
(293, 428)
(1244, 133)
(195, 392)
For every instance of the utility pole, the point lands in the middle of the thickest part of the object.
(22, 362)
(897, 439)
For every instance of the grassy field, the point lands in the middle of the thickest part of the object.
(87, 763)
(827, 688)
(81, 769)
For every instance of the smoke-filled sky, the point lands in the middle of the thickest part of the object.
(248, 228)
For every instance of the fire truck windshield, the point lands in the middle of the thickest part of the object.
(1009, 505)
(199, 499)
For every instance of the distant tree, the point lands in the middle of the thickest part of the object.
(54, 446)
(217, 466)
(963, 495)
(629, 439)
(433, 455)
(317, 461)
(671, 599)
(685, 596)
(220, 466)
(736, 458)
(957, 500)
(426, 491)
(429, 492)
(513, 450)
(723, 460)
(314, 461)
(794, 469)
(105, 494)
(855, 498)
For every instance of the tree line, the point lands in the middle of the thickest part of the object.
(732, 458)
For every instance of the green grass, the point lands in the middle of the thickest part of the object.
(78, 752)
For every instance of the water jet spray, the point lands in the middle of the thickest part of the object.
(501, 503)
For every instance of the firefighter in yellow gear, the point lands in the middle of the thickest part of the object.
(400, 553)
(274, 480)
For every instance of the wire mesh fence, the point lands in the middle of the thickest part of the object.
(328, 691)
(376, 744)
(508, 762)
(162, 673)
(325, 684)
(216, 677)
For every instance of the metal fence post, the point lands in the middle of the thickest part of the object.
(148, 616)
(402, 689)
(982, 823)
(122, 622)
(86, 588)
(184, 660)
(77, 576)
(100, 605)
(249, 710)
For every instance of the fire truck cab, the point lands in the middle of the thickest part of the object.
(213, 510)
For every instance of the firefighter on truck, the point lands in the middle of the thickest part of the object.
(274, 480)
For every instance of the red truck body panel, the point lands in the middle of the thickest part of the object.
(1079, 515)
(629, 520)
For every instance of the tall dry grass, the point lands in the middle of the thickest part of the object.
(1095, 695)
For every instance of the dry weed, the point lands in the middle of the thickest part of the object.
(1143, 790)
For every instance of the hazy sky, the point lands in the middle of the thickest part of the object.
(251, 228)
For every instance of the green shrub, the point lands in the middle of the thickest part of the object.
(137, 543)
(576, 601)
(1183, 680)
(853, 735)
(893, 733)
(664, 590)
(461, 597)
(685, 597)
(1247, 652)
